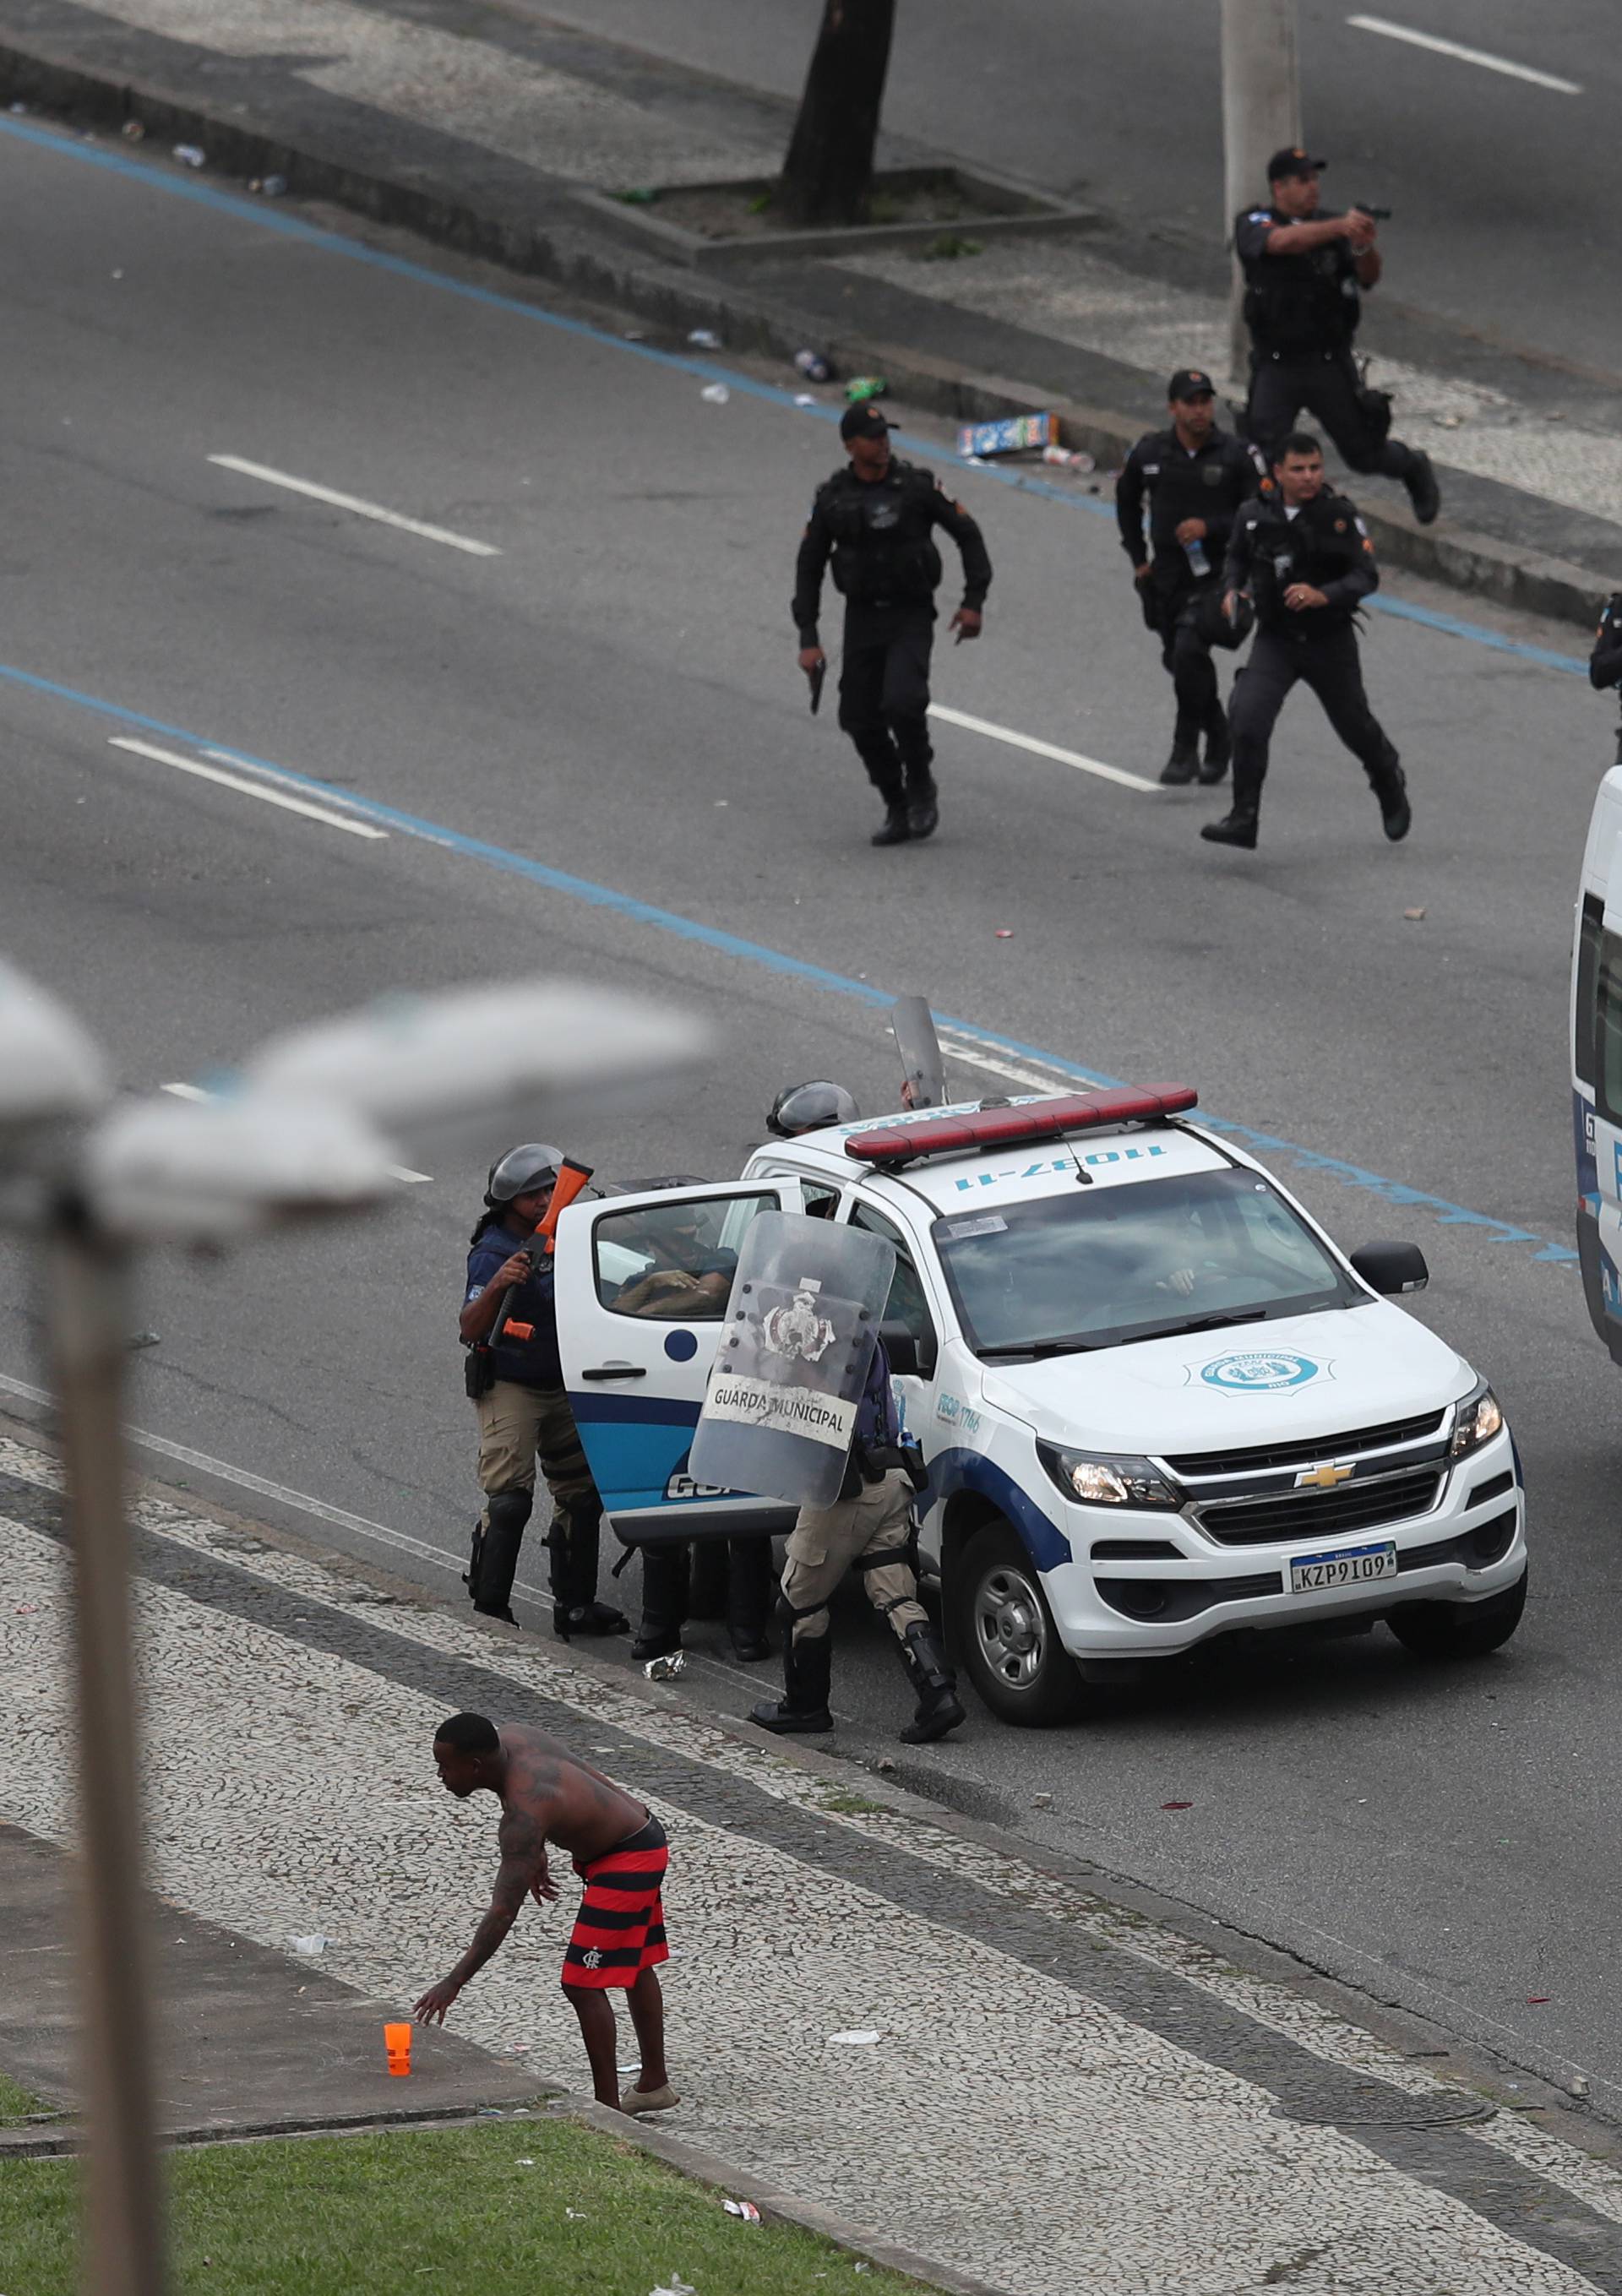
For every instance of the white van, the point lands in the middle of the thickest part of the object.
(1157, 1404)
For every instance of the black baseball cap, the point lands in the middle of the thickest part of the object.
(1188, 382)
(865, 421)
(1293, 161)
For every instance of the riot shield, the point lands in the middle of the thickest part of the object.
(921, 1064)
(801, 1324)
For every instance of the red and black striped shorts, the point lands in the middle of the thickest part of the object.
(620, 1930)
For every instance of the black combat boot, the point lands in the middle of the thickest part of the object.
(934, 1683)
(749, 1598)
(802, 1711)
(505, 1514)
(664, 1600)
(1181, 764)
(897, 826)
(1238, 826)
(1395, 811)
(1218, 748)
(575, 1607)
(1423, 491)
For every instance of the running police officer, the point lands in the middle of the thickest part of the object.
(874, 519)
(1307, 563)
(509, 1322)
(1195, 476)
(1305, 274)
(867, 1527)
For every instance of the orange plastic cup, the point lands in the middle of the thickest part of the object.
(396, 2040)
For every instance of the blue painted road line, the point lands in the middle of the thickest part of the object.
(795, 968)
(250, 210)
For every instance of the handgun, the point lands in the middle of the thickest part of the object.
(816, 677)
(1375, 214)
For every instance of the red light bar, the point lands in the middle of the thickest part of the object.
(1003, 1128)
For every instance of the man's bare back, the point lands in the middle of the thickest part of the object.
(549, 1793)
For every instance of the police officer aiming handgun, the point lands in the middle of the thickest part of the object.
(1304, 557)
(1195, 476)
(874, 519)
(1306, 275)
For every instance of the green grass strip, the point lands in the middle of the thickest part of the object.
(451, 2211)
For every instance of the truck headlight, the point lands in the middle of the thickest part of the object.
(1476, 1421)
(1108, 1479)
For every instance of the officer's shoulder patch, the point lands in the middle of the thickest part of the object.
(1340, 526)
(1259, 215)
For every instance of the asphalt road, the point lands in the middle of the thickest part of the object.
(610, 703)
(1505, 192)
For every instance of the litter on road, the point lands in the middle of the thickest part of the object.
(716, 393)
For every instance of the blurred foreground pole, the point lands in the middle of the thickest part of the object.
(1261, 114)
(86, 1290)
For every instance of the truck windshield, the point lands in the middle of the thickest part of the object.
(1100, 1266)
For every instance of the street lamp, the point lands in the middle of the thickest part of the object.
(310, 1128)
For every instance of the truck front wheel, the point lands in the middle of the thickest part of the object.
(1460, 1629)
(1003, 1631)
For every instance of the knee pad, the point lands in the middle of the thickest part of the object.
(508, 1510)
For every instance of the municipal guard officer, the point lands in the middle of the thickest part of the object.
(868, 1528)
(874, 518)
(509, 1322)
(1304, 558)
(1305, 274)
(1195, 476)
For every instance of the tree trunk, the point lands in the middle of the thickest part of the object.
(828, 173)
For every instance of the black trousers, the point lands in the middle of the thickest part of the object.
(1325, 383)
(667, 1579)
(884, 693)
(1330, 665)
(1188, 613)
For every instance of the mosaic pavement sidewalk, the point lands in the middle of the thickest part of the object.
(1061, 2096)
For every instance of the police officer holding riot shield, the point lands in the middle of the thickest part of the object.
(1304, 558)
(1306, 275)
(868, 1528)
(1194, 478)
(509, 1326)
(875, 520)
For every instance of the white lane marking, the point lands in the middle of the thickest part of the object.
(1463, 55)
(1034, 1078)
(246, 788)
(354, 503)
(401, 1172)
(1040, 749)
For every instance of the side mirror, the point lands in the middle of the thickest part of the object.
(1392, 1268)
(912, 1356)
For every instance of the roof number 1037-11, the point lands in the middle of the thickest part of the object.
(1060, 1164)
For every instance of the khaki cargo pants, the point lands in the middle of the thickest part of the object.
(827, 1541)
(516, 1423)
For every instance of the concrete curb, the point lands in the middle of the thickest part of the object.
(777, 2207)
(69, 2136)
(567, 243)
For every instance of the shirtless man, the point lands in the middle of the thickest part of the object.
(619, 1852)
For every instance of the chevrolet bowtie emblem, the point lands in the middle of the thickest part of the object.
(1325, 1477)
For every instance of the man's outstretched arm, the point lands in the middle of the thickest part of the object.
(523, 1869)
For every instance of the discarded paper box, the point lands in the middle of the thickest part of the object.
(1015, 434)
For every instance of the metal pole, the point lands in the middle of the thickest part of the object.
(1261, 113)
(87, 1280)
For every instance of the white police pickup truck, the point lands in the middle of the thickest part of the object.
(1159, 1405)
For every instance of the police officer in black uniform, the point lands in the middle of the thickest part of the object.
(1195, 476)
(1304, 557)
(1605, 662)
(1305, 274)
(874, 518)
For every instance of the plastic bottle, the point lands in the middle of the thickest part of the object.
(1199, 564)
(813, 366)
(866, 386)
